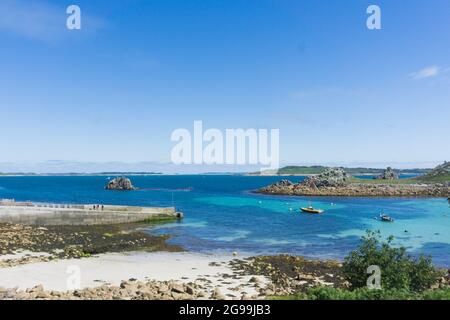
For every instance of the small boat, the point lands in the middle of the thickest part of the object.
(310, 209)
(386, 218)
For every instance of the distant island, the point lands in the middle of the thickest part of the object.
(311, 170)
(338, 182)
(112, 173)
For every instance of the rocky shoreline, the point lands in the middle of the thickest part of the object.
(335, 182)
(128, 290)
(285, 274)
(285, 187)
(64, 242)
(251, 278)
(22, 245)
(292, 274)
(266, 275)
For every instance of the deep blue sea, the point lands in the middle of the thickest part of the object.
(221, 214)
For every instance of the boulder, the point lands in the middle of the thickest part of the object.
(332, 177)
(283, 183)
(178, 288)
(388, 174)
(217, 295)
(120, 183)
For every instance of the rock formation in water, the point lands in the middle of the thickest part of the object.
(336, 182)
(332, 177)
(120, 183)
(388, 174)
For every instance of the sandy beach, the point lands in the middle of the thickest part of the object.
(208, 271)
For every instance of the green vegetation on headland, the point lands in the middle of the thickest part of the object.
(440, 174)
(337, 182)
(437, 175)
(402, 277)
(421, 179)
(308, 170)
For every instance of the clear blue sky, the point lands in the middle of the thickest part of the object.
(138, 69)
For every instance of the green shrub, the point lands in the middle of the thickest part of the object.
(330, 293)
(321, 293)
(441, 294)
(398, 269)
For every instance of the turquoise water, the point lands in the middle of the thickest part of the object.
(221, 214)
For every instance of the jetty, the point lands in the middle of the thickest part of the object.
(34, 213)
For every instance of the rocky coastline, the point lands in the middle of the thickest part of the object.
(359, 190)
(128, 290)
(335, 182)
(26, 246)
(66, 242)
(251, 278)
(284, 274)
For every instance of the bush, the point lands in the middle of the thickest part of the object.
(330, 293)
(440, 294)
(399, 270)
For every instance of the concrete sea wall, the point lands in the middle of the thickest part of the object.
(52, 214)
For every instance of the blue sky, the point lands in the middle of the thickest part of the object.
(139, 69)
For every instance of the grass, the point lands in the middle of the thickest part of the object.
(329, 293)
(421, 179)
(441, 178)
(307, 170)
(380, 181)
(301, 170)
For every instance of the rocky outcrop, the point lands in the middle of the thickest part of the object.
(335, 182)
(284, 183)
(292, 274)
(364, 190)
(442, 170)
(332, 177)
(388, 174)
(120, 183)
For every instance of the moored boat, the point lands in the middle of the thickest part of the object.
(311, 210)
(386, 218)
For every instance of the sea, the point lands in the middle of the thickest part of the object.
(223, 215)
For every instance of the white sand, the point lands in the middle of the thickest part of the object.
(114, 267)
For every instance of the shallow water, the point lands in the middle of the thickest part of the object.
(221, 214)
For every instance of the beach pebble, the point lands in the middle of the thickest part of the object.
(217, 294)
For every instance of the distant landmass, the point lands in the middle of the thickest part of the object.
(309, 170)
(439, 174)
(113, 173)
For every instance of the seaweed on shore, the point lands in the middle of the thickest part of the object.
(79, 241)
(290, 274)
